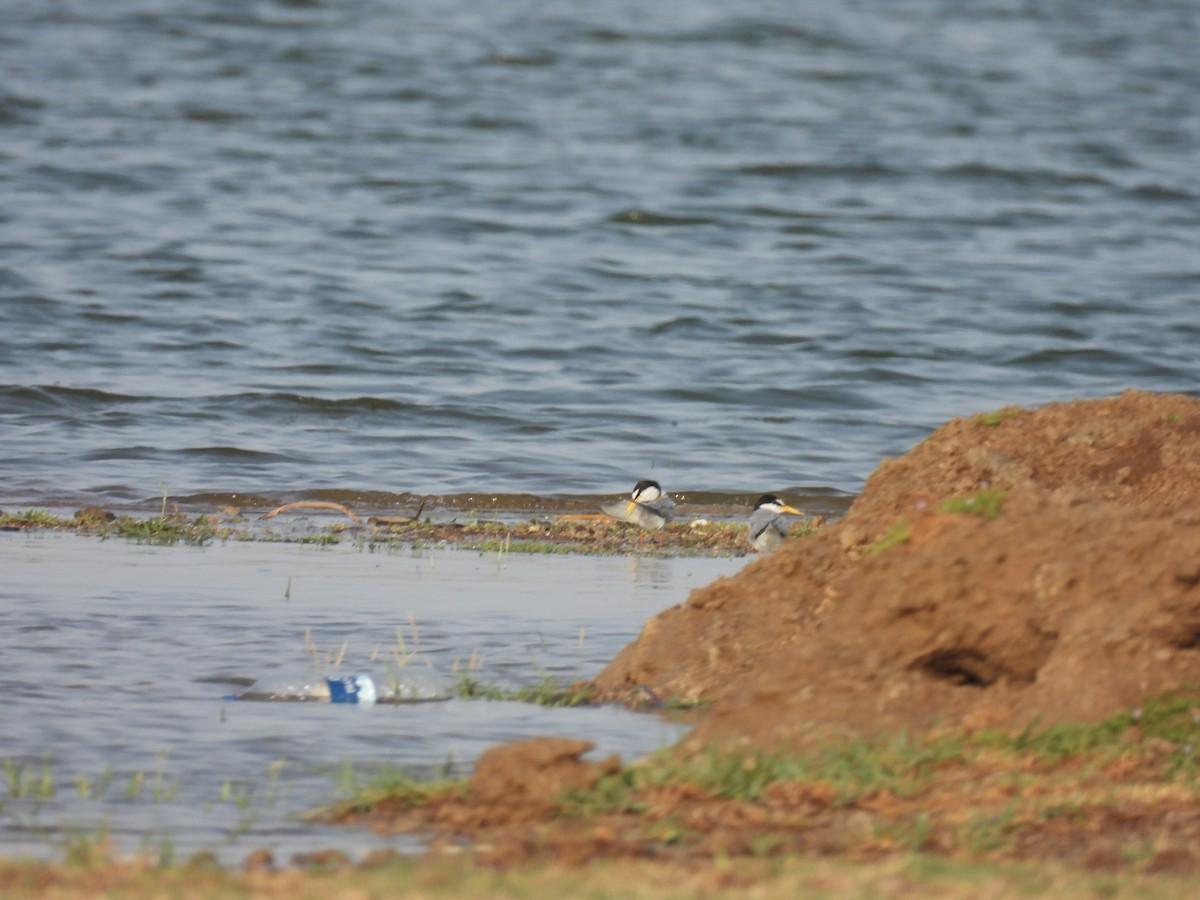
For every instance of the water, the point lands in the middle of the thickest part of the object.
(383, 250)
(278, 247)
(119, 661)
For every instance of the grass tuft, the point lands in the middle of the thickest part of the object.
(897, 534)
(985, 503)
(998, 417)
(548, 692)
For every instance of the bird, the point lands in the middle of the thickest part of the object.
(648, 506)
(768, 528)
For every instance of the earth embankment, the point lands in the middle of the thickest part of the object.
(1016, 567)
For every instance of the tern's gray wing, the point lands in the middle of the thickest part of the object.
(767, 529)
(664, 506)
(616, 510)
(652, 516)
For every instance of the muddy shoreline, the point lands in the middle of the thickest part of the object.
(991, 658)
(698, 531)
(993, 621)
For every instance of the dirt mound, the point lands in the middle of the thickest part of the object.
(1019, 566)
(520, 779)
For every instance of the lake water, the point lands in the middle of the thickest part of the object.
(283, 246)
(119, 662)
(381, 250)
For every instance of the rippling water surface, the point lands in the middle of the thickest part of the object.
(297, 248)
(552, 248)
(116, 683)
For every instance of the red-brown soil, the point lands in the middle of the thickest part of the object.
(1079, 599)
(1018, 568)
(1026, 567)
(1014, 568)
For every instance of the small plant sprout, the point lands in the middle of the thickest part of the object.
(401, 655)
(275, 777)
(326, 659)
(999, 416)
(23, 784)
(897, 534)
(161, 790)
(133, 790)
(985, 503)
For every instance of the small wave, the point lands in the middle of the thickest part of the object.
(1088, 359)
(44, 398)
(694, 326)
(285, 402)
(1042, 178)
(536, 59)
(804, 171)
(1162, 193)
(62, 178)
(19, 110)
(649, 219)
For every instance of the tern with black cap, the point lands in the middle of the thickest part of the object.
(768, 527)
(648, 507)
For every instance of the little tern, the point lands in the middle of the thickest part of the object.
(768, 527)
(648, 506)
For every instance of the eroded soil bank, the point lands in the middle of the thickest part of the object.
(901, 685)
(1015, 567)
(905, 679)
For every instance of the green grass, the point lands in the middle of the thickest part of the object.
(33, 518)
(390, 786)
(795, 877)
(998, 417)
(325, 539)
(162, 531)
(897, 534)
(854, 768)
(548, 692)
(986, 503)
(536, 536)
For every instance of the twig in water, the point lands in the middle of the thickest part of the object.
(313, 504)
(400, 520)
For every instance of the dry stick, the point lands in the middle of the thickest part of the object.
(313, 504)
(400, 520)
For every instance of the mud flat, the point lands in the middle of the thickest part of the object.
(1015, 567)
(988, 672)
(994, 656)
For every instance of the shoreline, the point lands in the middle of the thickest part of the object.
(699, 531)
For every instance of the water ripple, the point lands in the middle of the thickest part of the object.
(551, 253)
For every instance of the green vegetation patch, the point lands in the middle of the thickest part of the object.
(582, 535)
(999, 416)
(898, 533)
(973, 791)
(160, 530)
(986, 503)
(548, 692)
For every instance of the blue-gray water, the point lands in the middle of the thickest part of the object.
(275, 247)
(292, 248)
(115, 682)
